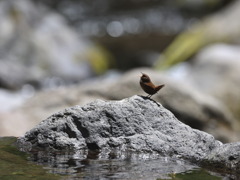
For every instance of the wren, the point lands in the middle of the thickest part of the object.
(148, 86)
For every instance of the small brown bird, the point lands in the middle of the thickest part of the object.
(148, 86)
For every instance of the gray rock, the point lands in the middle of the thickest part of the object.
(32, 46)
(225, 158)
(137, 124)
(215, 71)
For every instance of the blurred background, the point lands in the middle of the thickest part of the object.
(56, 54)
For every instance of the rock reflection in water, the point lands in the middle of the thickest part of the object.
(127, 165)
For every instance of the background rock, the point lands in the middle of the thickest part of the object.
(38, 45)
(189, 105)
(216, 72)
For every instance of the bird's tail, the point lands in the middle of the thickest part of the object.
(157, 88)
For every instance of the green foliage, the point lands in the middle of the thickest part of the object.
(183, 47)
(100, 59)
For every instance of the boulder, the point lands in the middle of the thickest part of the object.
(136, 124)
(215, 71)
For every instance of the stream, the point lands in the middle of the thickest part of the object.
(15, 164)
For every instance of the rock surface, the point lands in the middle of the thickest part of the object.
(137, 124)
(215, 71)
(225, 157)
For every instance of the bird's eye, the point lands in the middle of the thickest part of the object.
(145, 78)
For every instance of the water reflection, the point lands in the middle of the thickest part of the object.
(92, 165)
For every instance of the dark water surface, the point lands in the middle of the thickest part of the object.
(91, 165)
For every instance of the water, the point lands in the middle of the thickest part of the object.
(92, 165)
(14, 164)
(127, 166)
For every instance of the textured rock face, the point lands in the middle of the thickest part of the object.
(225, 157)
(138, 124)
